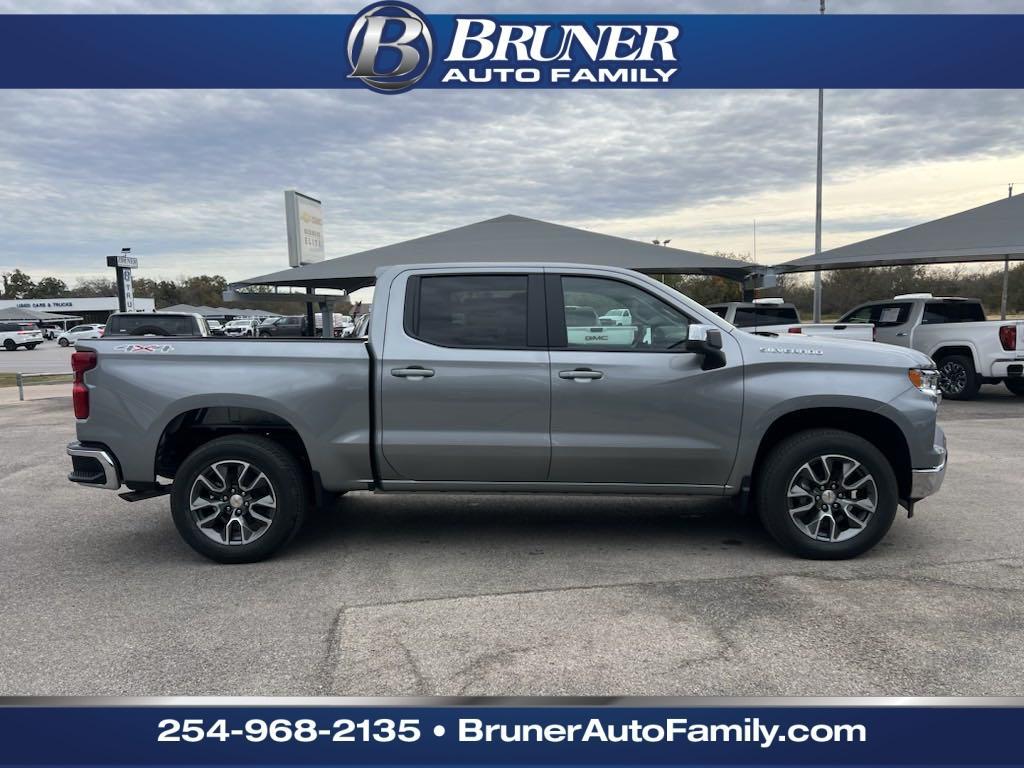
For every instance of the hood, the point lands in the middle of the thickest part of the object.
(830, 350)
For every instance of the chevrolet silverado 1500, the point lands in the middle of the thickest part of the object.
(493, 378)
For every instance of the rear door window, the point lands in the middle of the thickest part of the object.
(473, 311)
(952, 312)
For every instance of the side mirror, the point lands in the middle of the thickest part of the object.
(706, 341)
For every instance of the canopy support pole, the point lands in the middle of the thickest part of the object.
(1006, 287)
(817, 207)
(327, 318)
(310, 314)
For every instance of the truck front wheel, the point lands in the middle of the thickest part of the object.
(238, 499)
(826, 494)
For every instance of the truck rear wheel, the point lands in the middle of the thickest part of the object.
(826, 494)
(238, 499)
(957, 378)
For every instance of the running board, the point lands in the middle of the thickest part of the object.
(146, 493)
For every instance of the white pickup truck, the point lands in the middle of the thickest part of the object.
(775, 316)
(968, 349)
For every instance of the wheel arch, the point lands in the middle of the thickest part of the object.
(877, 429)
(199, 424)
(948, 349)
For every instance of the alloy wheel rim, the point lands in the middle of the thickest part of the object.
(952, 378)
(232, 502)
(832, 497)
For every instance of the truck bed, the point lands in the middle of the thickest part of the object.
(320, 387)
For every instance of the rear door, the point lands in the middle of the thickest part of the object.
(628, 404)
(465, 392)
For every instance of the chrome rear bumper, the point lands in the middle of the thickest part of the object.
(95, 467)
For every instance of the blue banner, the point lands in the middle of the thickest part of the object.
(391, 47)
(497, 735)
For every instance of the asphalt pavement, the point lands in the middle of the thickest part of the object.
(474, 595)
(49, 357)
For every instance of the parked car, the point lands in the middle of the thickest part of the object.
(469, 382)
(15, 334)
(286, 325)
(968, 349)
(80, 332)
(121, 324)
(616, 317)
(216, 327)
(774, 316)
(243, 326)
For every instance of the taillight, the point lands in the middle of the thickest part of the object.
(80, 363)
(1008, 337)
(796, 329)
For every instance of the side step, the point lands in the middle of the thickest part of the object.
(146, 493)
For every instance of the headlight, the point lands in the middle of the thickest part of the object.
(925, 379)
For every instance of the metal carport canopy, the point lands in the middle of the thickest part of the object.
(505, 239)
(992, 232)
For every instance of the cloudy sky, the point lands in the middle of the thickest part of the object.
(194, 180)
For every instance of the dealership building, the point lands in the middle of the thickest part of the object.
(91, 310)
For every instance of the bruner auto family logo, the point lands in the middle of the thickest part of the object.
(391, 49)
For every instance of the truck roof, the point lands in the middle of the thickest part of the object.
(757, 304)
(929, 297)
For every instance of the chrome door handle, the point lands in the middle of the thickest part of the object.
(581, 374)
(902, 333)
(413, 372)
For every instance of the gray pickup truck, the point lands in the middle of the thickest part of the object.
(477, 378)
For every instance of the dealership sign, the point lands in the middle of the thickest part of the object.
(391, 49)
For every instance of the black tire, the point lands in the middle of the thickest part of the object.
(284, 473)
(264, 335)
(784, 462)
(1016, 386)
(9, 345)
(31, 346)
(957, 378)
(63, 342)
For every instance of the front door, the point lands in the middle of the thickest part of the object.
(465, 394)
(628, 403)
(892, 321)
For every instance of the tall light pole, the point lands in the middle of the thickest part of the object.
(1006, 272)
(817, 207)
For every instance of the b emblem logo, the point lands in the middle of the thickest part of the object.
(390, 47)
